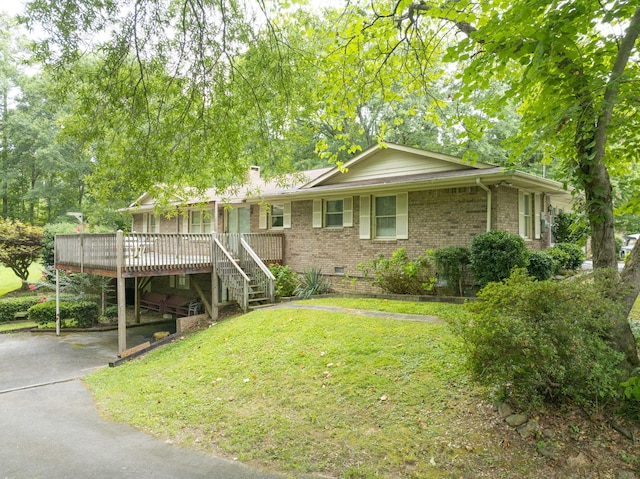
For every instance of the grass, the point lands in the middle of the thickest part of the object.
(634, 314)
(10, 282)
(445, 311)
(17, 325)
(323, 393)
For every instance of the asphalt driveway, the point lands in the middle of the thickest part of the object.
(50, 428)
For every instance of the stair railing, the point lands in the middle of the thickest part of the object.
(257, 270)
(231, 275)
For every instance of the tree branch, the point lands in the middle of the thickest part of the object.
(613, 85)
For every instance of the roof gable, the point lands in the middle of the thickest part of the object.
(392, 160)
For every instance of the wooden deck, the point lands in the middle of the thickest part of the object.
(154, 254)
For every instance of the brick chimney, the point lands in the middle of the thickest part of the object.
(254, 174)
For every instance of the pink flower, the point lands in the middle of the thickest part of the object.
(32, 287)
(43, 299)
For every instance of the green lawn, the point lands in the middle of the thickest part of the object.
(443, 310)
(17, 325)
(303, 391)
(10, 282)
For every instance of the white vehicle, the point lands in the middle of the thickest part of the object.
(628, 244)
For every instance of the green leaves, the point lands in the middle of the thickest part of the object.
(19, 246)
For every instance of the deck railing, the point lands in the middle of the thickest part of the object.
(148, 253)
(269, 247)
(90, 250)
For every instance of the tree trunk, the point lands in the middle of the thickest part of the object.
(599, 209)
(630, 279)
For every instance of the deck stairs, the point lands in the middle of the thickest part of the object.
(243, 273)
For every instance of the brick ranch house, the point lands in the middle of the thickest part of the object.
(385, 198)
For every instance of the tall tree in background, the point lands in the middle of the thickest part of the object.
(11, 54)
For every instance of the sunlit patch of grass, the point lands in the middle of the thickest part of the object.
(17, 325)
(634, 315)
(10, 282)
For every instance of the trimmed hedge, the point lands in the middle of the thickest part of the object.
(10, 306)
(541, 265)
(568, 256)
(495, 254)
(84, 313)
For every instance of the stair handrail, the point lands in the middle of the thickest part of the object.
(263, 267)
(245, 292)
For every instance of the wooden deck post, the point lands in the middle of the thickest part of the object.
(136, 301)
(215, 300)
(57, 302)
(122, 305)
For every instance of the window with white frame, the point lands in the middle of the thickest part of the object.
(152, 226)
(333, 211)
(199, 221)
(384, 219)
(276, 216)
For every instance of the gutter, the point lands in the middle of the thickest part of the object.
(485, 188)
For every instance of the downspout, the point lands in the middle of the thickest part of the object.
(485, 188)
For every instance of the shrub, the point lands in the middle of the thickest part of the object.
(310, 283)
(568, 256)
(10, 306)
(451, 264)
(541, 265)
(111, 311)
(83, 313)
(543, 341)
(570, 228)
(286, 280)
(400, 275)
(495, 254)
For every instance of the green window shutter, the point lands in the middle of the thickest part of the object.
(286, 217)
(317, 213)
(402, 216)
(365, 217)
(145, 219)
(263, 217)
(347, 212)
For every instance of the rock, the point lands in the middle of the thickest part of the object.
(515, 420)
(504, 410)
(528, 429)
(549, 453)
(160, 335)
(548, 433)
(579, 461)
